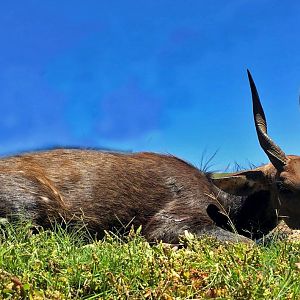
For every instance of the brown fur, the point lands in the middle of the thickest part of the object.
(108, 190)
(163, 194)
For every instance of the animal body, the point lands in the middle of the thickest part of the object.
(162, 193)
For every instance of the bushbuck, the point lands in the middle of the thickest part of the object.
(162, 193)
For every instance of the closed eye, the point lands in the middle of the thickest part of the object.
(282, 188)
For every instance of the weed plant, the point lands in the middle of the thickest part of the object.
(60, 264)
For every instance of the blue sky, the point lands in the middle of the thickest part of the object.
(163, 76)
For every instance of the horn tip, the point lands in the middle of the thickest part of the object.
(249, 75)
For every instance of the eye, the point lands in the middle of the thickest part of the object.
(282, 188)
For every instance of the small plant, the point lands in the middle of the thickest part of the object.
(60, 264)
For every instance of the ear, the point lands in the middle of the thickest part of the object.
(221, 219)
(242, 183)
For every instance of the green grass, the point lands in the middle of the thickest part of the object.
(60, 265)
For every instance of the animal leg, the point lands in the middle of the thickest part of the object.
(222, 235)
